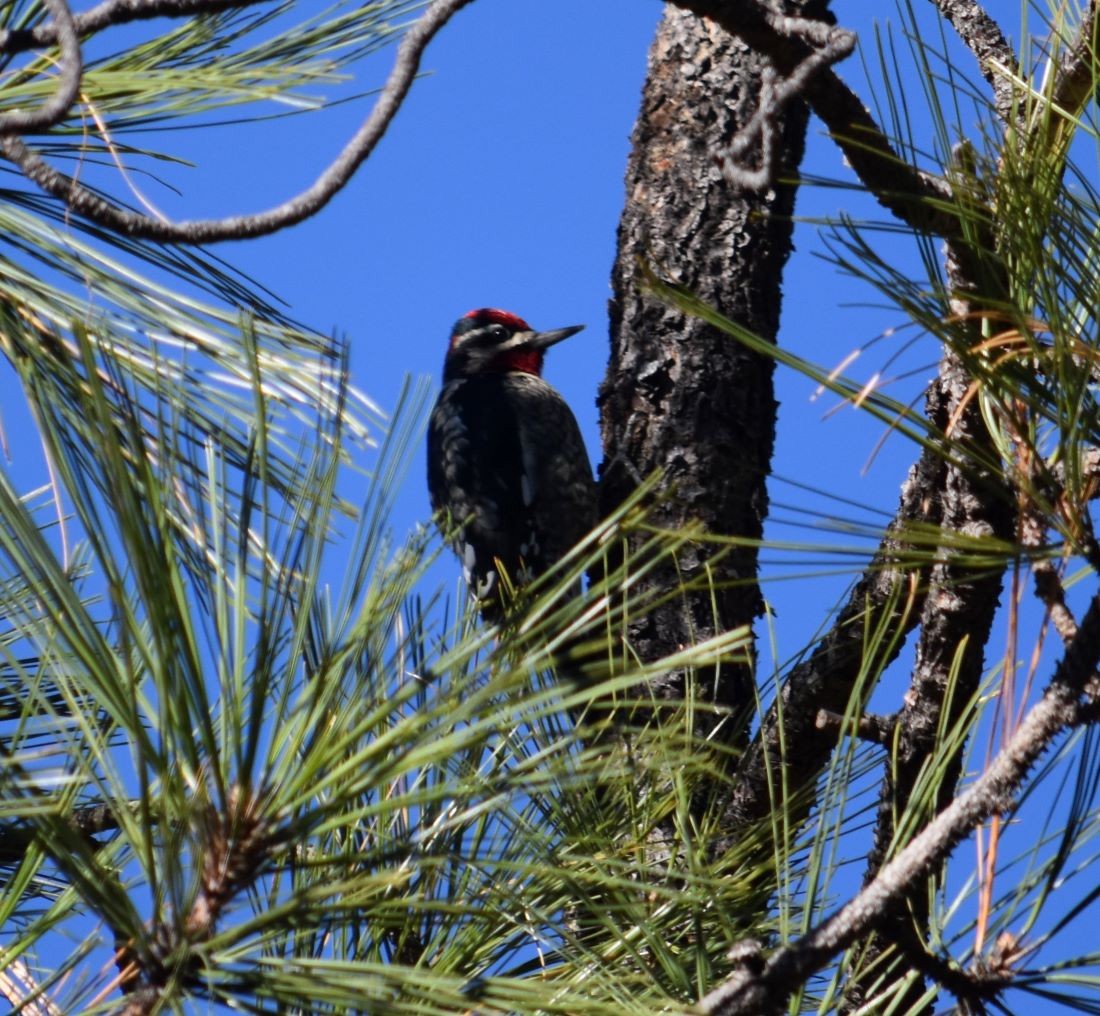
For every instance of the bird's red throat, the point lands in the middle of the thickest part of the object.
(529, 361)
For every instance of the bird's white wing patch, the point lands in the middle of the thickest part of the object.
(469, 562)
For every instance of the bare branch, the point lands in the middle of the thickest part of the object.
(1076, 80)
(914, 197)
(762, 132)
(992, 793)
(889, 597)
(238, 227)
(1048, 587)
(871, 727)
(54, 109)
(108, 14)
(984, 38)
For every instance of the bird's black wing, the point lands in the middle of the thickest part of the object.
(474, 462)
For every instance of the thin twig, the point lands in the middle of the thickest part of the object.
(57, 106)
(871, 727)
(762, 131)
(984, 38)
(111, 13)
(310, 201)
(916, 198)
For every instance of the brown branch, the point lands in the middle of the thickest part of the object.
(55, 108)
(914, 197)
(991, 793)
(870, 727)
(889, 597)
(109, 14)
(87, 821)
(764, 131)
(1076, 80)
(1049, 589)
(984, 38)
(105, 213)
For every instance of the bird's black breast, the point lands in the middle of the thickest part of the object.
(475, 461)
(507, 459)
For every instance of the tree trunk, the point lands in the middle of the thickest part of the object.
(680, 396)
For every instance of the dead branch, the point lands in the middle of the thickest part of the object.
(914, 197)
(991, 793)
(57, 106)
(984, 38)
(762, 133)
(105, 213)
(870, 727)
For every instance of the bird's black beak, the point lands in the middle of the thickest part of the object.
(542, 340)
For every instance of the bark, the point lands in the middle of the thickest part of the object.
(679, 396)
(760, 985)
(976, 503)
(888, 597)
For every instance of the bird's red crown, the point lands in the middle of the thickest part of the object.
(496, 316)
(529, 361)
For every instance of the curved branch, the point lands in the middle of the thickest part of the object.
(54, 109)
(984, 38)
(990, 794)
(108, 14)
(763, 130)
(916, 198)
(238, 227)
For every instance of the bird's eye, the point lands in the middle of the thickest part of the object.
(499, 333)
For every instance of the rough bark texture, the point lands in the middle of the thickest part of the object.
(958, 615)
(760, 986)
(888, 597)
(679, 395)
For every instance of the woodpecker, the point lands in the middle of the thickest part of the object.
(505, 455)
